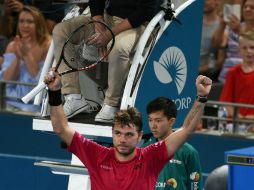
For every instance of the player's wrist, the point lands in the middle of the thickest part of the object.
(201, 98)
(97, 18)
(55, 97)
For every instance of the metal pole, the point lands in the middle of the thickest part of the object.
(234, 120)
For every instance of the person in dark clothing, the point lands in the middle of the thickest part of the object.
(127, 20)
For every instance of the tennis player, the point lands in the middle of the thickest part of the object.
(123, 166)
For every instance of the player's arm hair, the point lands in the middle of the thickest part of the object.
(193, 117)
(176, 139)
(60, 124)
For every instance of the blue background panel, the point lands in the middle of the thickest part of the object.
(177, 48)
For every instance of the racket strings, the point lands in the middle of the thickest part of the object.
(81, 52)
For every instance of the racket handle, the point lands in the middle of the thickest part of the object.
(33, 92)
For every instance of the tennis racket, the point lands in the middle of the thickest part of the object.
(84, 49)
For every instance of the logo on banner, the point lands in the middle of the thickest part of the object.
(172, 67)
(194, 177)
(172, 182)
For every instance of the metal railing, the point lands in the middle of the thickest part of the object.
(3, 95)
(235, 120)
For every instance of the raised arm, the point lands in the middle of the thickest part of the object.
(13, 69)
(220, 35)
(57, 116)
(176, 139)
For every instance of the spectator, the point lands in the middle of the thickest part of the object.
(3, 38)
(179, 171)
(3, 44)
(251, 128)
(25, 54)
(52, 13)
(1, 61)
(239, 86)
(127, 20)
(8, 19)
(227, 35)
(209, 65)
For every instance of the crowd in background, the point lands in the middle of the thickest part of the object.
(227, 51)
(25, 35)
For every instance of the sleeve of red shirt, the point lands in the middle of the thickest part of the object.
(86, 150)
(157, 156)
(228, 88)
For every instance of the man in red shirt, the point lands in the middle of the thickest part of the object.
(239, 86)
(123, 166)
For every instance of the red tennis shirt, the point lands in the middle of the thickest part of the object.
(107, 173)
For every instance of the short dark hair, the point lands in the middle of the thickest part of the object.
(127, 117)
(162, 104)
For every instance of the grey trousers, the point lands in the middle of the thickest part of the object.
(119, 58)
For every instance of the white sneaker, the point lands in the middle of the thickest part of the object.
(74, 104)
(106, 114)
